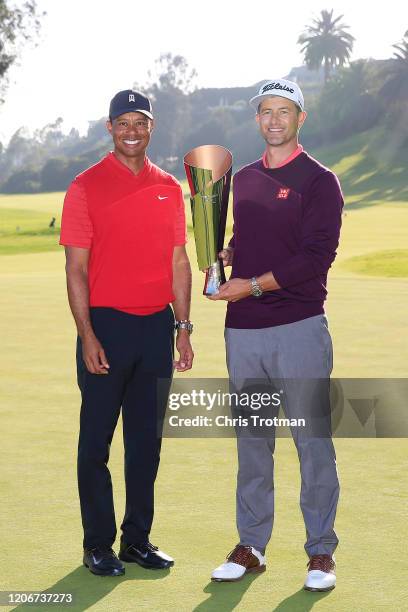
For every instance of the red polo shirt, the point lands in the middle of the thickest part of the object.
(131, 224)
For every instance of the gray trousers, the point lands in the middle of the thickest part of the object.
(288, 355)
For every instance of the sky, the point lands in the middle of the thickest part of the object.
(90, 49)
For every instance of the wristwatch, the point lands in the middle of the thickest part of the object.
(256, 291)
(184, 324)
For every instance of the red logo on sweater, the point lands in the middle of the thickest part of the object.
(283, 193)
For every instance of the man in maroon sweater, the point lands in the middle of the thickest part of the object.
(287, 218)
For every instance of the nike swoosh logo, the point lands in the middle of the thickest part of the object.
(143, 555)
(163, 197)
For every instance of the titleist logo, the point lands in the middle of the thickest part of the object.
(270, 86)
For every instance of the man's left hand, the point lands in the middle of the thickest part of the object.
(185, 351)
(233, 290)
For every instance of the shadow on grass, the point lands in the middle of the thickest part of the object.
(88, 590)
(224, 596)
(301, 601)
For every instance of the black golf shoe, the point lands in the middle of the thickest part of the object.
(146, 555)
(103, 562)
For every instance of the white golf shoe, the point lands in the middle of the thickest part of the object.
(321, 575)
(242, 560)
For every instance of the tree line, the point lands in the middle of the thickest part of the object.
(342, 98)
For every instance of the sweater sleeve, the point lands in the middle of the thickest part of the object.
(320, 233)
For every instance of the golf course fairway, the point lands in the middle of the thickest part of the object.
(194, 520)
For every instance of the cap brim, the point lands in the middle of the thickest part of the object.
(256, 100)
(133, 110)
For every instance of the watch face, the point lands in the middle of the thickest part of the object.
(184, 325)
(256, 290)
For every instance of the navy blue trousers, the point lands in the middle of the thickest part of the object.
(140, 351)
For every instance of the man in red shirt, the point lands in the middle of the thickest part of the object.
(124, 231)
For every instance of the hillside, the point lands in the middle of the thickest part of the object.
(371, 168)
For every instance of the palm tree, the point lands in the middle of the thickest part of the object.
(402, 49)
(326, 42)
(395, 87)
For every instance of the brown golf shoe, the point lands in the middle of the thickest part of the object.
(321, 575)
(242, 560)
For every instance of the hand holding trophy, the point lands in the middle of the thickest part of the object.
(208, 169)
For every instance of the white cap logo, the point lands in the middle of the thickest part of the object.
(131, 97)
(279, 87)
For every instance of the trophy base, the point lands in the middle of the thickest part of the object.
(214, 278)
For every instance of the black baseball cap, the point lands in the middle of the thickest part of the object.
(129, 101)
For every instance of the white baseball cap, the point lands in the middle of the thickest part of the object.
(282, 88)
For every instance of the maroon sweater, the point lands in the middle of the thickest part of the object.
(286, 220)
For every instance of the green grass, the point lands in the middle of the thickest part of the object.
(15, 221)
(29, 241)
(24, 223)
(392, 263)
(50, 203)
(194, 518)
(194, 521)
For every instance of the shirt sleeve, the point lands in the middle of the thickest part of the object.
(180, 227)
(320, 234)
(76, 225)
